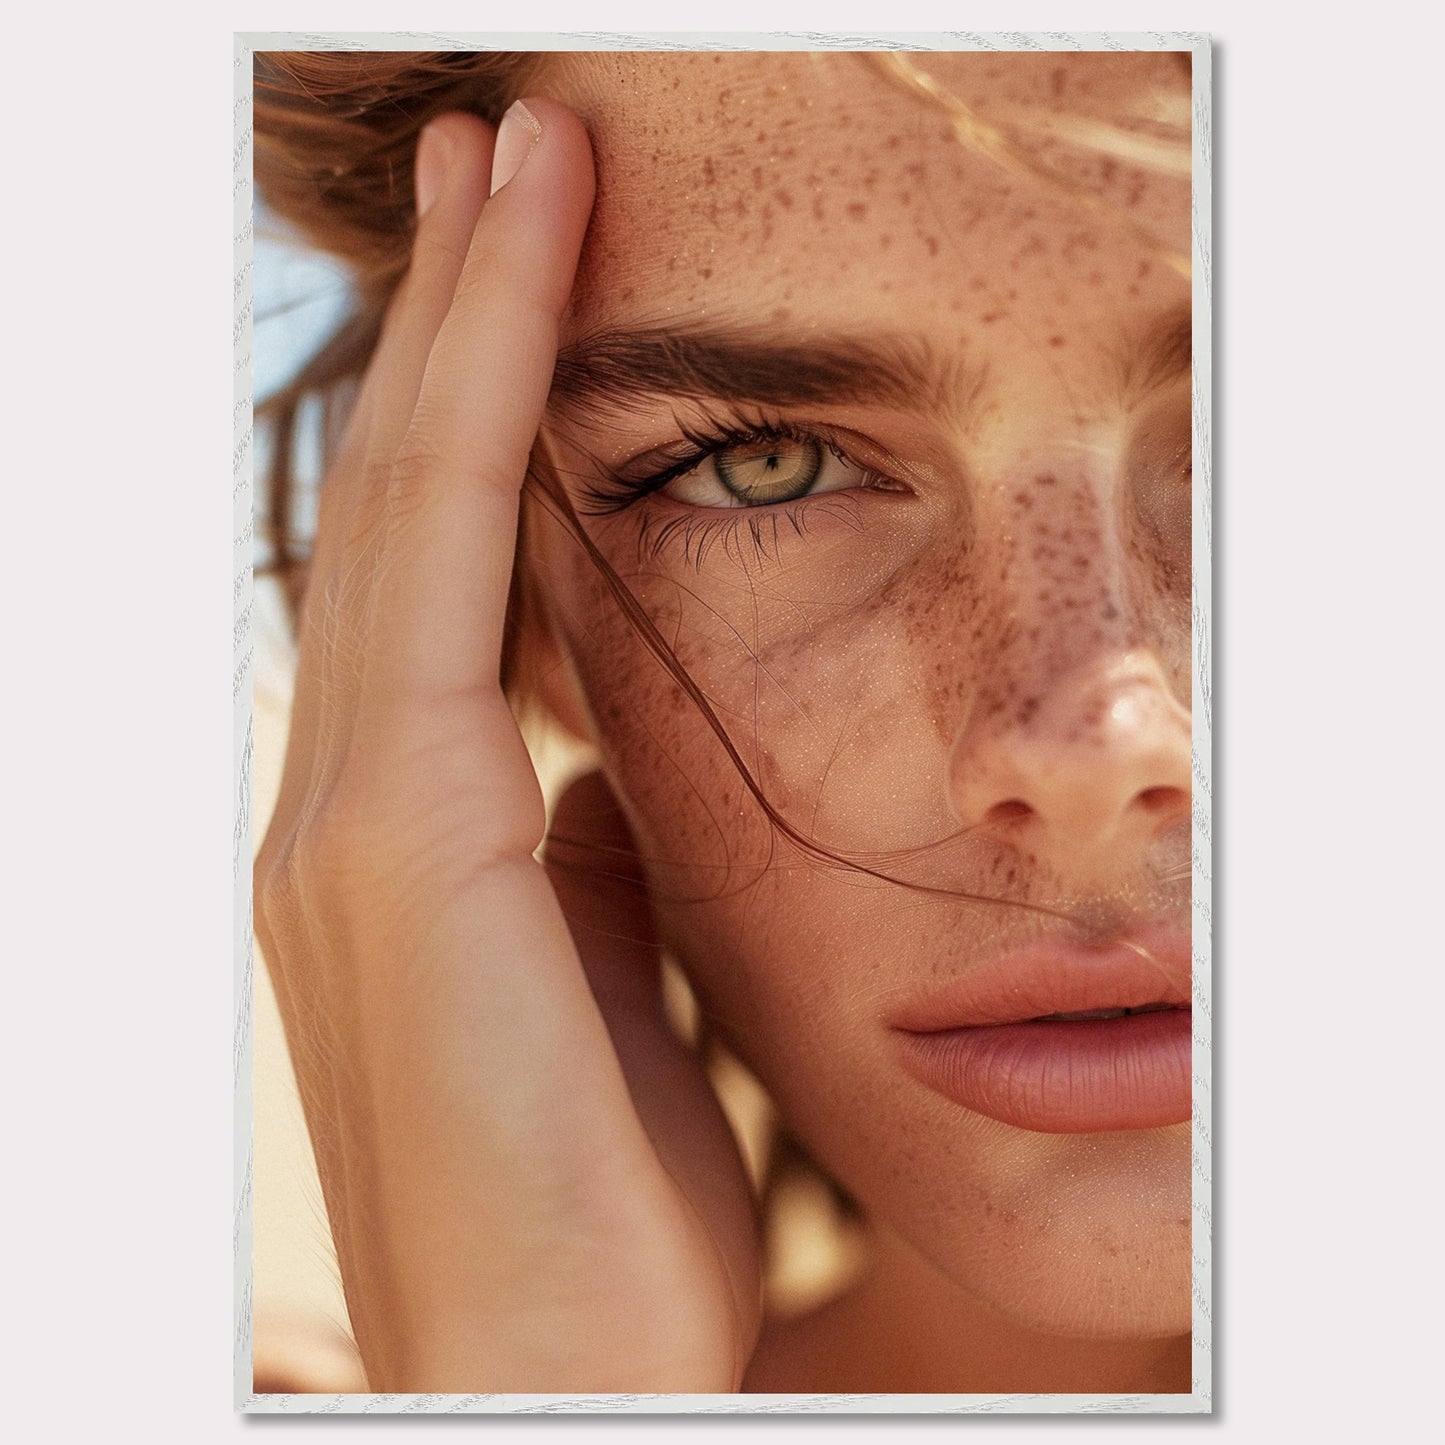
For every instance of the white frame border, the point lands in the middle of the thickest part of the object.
(1197, 1402)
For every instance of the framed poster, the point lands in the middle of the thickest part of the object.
(730, 734)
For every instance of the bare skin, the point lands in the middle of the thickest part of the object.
(505, 1218)
(529, 1180)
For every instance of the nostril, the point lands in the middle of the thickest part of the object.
(1158, 800)
(1008, 811)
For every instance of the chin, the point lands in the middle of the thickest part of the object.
(1081, 1236)
(1097, 1299)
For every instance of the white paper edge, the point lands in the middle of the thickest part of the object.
(243, 494)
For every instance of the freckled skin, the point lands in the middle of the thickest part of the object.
(874, 670)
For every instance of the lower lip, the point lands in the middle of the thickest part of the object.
(1084, 1076)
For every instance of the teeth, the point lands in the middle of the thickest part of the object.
(1106, 1013)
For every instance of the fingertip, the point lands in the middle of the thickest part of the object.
(538, 214)
(517, 136)
(433, 157)
(557, 136)
(454, 150)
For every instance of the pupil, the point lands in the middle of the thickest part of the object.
(769, 472)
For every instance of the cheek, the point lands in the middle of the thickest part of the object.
(834, 682)
(686, 801)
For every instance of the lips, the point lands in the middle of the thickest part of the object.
(1062, 1038)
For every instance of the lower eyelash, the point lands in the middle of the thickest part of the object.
(748, 534)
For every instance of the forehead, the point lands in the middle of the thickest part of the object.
(819, 188)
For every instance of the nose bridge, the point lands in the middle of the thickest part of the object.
(1058, 594)
(1073, 733)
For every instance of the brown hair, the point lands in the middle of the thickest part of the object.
(335, 137)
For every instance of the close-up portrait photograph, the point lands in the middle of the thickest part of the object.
(730, 739)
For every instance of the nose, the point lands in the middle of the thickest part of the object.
(1097, 761)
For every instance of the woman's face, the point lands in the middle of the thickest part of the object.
(889, 435)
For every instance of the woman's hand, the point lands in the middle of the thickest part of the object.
(530, 1184)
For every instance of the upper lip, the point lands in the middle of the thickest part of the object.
(1056, 976)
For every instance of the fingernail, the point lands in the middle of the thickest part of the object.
(433, 156)
(518, 133)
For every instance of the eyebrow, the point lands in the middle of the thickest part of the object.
(737, 364)
(1161, 354)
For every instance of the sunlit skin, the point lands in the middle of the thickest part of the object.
(965, 665)
(856, 539)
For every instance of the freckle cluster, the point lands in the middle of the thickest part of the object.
(767, 182)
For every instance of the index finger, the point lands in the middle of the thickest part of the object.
(451, 524)
(353, 498)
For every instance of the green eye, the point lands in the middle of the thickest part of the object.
(780, 470)
(764, 470)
